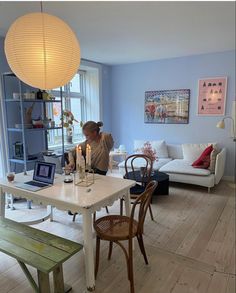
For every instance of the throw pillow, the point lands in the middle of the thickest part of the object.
(192, 151)
(213, 155)
(160, 147)
(203, 161)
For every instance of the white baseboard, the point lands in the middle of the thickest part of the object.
(228, 178)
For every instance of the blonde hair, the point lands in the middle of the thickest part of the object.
(92, 126)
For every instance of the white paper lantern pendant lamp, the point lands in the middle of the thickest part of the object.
(42, 50)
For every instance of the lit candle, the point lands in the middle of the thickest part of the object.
(78, 156)
(88, 155)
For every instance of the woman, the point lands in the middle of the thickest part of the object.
(101, 144)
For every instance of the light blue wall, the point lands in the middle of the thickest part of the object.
(3, 62)
(106, 98)
(129, 82)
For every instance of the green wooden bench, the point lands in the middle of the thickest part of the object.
(41, 250)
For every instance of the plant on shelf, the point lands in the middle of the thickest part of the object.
(68, 120)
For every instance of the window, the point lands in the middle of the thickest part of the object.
(73, 100)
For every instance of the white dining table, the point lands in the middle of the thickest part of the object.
(83, 200)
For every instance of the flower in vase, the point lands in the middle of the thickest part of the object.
(148, 151)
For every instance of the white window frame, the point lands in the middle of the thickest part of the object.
(67, 95)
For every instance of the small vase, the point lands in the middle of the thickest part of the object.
(69, 139)
(69, 135)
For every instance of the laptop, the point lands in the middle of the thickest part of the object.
(43, 177)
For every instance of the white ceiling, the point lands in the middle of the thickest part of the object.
(126, 32)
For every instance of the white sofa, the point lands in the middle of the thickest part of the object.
(176, 161)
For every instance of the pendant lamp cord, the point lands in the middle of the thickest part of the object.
(44, 47)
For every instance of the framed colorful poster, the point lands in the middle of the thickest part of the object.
(212, 96)
(167, 106)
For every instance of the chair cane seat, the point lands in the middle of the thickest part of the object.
(114, 227)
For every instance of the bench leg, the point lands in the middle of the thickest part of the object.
(44, 285)
(28, 276)
(58, 280)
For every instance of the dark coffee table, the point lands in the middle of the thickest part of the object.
(161, 177)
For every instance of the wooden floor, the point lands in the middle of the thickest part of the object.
(191, 247)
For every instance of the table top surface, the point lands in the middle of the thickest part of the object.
(69, 195)
(158, 176)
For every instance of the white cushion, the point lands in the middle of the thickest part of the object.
(192, 151)
(138, 144)
(138, 163)
(159, 146)
(175, 151)
(207, 181)
(183, 167)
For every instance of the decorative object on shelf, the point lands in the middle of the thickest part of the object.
(42, 50)
(212, 96)
(28, 114)
(29, 95)
(52, 124)
(167, 106)
(18, 151)
(47, 96)
(68, 120)
(16, 96)
(39, 95)
(38, 123)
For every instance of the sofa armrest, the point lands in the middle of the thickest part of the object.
(220, 165)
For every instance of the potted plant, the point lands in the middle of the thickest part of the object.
(68, 120)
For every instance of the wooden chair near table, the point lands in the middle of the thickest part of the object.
(144, 178)
(117, 228)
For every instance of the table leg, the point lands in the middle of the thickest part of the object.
(127, 203)
(50, 212)
(2, 203)
(128, 208)
(88, 250)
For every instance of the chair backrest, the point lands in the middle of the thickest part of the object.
(131, 171)
(143, 201)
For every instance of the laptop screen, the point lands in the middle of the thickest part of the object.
(44, 172)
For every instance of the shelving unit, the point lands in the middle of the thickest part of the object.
(14, 110)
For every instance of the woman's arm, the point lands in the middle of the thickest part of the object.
(109, 141)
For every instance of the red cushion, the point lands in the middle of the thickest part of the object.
(203, 161)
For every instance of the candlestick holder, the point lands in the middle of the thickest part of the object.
(84, 177)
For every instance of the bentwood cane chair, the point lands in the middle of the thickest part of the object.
(142, 179)
(117, 228)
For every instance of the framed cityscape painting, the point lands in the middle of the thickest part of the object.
(212, 96)
(167, 106)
